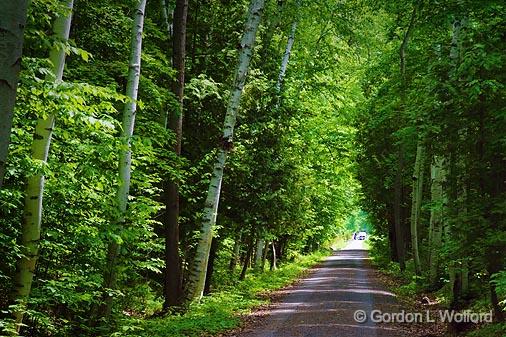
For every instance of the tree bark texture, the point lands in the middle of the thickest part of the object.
(436, 217)
(173, 276)
(125, 156)
(416, 203)
(32, 211)
(12, 26)
(199, 266)
(286, 57)
(399, 184)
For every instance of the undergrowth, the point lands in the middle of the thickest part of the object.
(222, 309)
(409, 286)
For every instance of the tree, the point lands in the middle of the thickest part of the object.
(418, 180)
(125, 157)
(12, 25)
(32, 214)
(198, 270)
(436, 217)
(398, 186)
(173, 278)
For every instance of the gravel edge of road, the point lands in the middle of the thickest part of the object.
(386, 281)
(273, 298)
(412, 304)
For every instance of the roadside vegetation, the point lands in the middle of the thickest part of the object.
(162, 162)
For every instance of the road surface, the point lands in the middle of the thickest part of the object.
(324, 303)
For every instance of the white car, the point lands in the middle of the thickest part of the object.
(361, 236)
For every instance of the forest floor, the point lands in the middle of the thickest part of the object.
(332, 301)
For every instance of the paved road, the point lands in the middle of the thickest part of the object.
(324, 303)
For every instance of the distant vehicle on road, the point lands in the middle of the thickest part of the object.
(361, 236)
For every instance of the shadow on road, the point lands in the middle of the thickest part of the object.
(324, 303)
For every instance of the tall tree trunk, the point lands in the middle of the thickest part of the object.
(258, 254)
(246, 260)
(398, 225)
(436, 217)
(274, 258)
(286, 57)
(264, 256)
(198, 268)
(392, 241)
(32, 212)
(235, 253)
(167, 16)
(125, 156)
(398, 185)
(173, 280)
(167, 13)
(417, 202)
(458, 270)
(12, 26)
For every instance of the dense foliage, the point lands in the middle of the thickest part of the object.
(337, 133)
(444, 113)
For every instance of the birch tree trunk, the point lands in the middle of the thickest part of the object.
(274, 258)
(286, 57)
(167, 17)
(167, 12)
(172, 278)
(12, 25)
(259, 253)
(416, 202)
(32, 212)
(198, 269)
(436, 217)
(125, 156)
(264, 256)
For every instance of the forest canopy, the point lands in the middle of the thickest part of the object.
(153, 153)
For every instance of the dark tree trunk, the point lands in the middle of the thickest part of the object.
(12, 25)
(210, 266)
(246, 260)
(274, 259)
(235, 253)
(398, 225)
(173, 281)
(392, 240)
(264, 256)
(399, 218)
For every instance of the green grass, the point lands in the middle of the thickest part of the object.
(220, 311)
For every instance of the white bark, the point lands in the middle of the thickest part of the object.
(132, 89)
(436, 216)
(264, 256)
(416, 202)
(125, 156)
(259, 253)
(167, 17)
(274, 264)
(286, 57)
(198, 270)
(32, 212)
